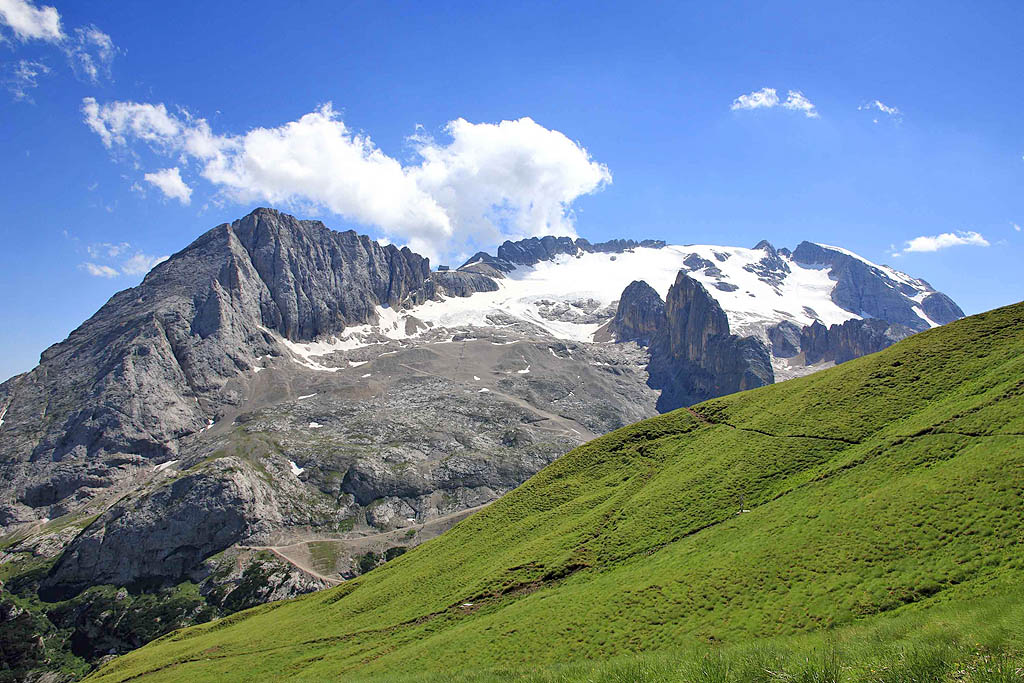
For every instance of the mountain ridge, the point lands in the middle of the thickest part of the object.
(277, 384)
(653, 529)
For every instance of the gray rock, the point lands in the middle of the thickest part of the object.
(531, 251)
(871, 292)
(640, 315)
(784, 338)
(694, 357)
(772, 269)
(156, 362)
(462, 283)
(852, 339)
(941, 308)
(161, 536)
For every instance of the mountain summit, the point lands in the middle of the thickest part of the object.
(279, 385)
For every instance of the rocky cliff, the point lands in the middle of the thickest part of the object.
(694, 357)
(877, 291)
(640, 315)
(279, 402)
(852, 339)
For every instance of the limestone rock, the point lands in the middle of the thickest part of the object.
(640, 315)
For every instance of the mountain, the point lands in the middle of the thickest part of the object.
(280, 406)
(865, 496)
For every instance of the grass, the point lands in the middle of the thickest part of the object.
(324, 555)
(882, 494)
(973, 643)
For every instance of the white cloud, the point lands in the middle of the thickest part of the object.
(797, 102)
(115, 123)
(99, 270)
(140, 264)
(768, 98)
(29, 22)
(23, 76)
(107, 249)
(1016, 227)
(514, 178)
(91, 53)
(489, 182)
(169, 182)
(765, 98)
(893, 112)
(120, 259)
(944, 241)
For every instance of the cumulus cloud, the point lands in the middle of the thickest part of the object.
(510, 178)
(118, 122)
(29, 22)
(97, 270)
(768, 98)
(1016, 227)
(484, 183)
(169, 182)
(892, 112)
(22, 77)
(927, 243)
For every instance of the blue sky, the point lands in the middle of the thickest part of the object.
(641, 123)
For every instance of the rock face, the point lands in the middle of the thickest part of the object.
(531, 251)
(164, 536)
(278, 384)
(154, 363)
(772, 268)
(941, 308)
(878, 292)
(852, 339)
(693, 356)
(640, 315)
(784, 338)
(462, 283)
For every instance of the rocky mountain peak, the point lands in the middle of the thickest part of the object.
(640, 315)
(873, 291)
(694, 357)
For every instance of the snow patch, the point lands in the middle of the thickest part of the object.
(921, 314)
(303, 398)
(483, 391)
(2, 413)
(366, 375)
(475, 378)
(315, 425)
(296, 470)
(164, 465)
(357, 363)
(524, 372)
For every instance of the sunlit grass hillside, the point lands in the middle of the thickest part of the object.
(884, 493)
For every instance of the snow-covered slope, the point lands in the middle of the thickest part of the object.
(571, 295)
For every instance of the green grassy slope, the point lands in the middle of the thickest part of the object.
(893, 482)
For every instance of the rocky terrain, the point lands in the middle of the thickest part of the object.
(279, 406)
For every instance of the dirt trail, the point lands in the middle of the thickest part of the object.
(295, 562)
(295, 553)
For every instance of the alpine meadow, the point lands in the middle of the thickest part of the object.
(499, 342)
(850, 525)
